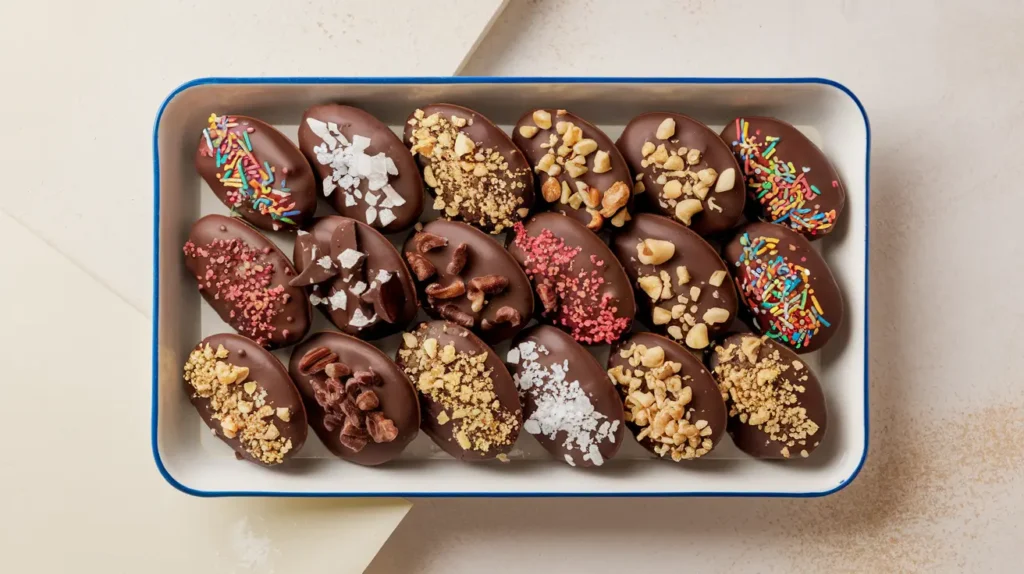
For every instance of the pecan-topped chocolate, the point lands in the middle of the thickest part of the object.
(469, 279)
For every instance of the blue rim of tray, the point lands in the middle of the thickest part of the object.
(494, 80)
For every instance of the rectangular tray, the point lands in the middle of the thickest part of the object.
(197, 463)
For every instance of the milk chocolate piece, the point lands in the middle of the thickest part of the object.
(776, 406)
(682, 285)
(257, 172)
(789, 180)
(785, 286)
(475, 172)
(244, 394)
(579, 171)
(470, 407)
(245, 278)
(581, 287)
(492, 280)
(354, 362)
(368, 291)
(364, 171)
(569, 405)
(681, 159)
(636, 365)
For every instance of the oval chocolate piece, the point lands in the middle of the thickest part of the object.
(788, 179)
(688, 172)
(245, 278)
(475, 172)
(776, 407)
(360, 404)
(365, 172)
(469, 279)
(581, 287)
(569, 406)
(682, 284)
(469, 403)
(244, 394)
(580, 171)
(355, 277)
(785, 285)
(257, 172)
(672, 403)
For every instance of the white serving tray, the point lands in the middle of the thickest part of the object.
(192, 460)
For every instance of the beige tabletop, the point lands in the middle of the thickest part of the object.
(942, 490)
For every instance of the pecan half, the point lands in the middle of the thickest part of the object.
(504, 315)
(367, 401)
(615, 199)
(426, 242)
(450, 291)
(421, 267)
(548, 297)
(316, 360)
(381, 428)
(452, 313)
(458, 261)
(489, 284)
(337, 370)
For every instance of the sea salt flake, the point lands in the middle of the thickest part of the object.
(358, 288)
(513, 356)
(386, 217)
(531, 426)
(322, 131)
(383, 276)
(360, 320)
(338, 300)
(317, 300)
(392, 169)
(350, 257)
(371, 215)
(393, 196)
(569, 460)
(359, 144)
(329, 186)
(350, 201)
(372, 198)
(324, 262)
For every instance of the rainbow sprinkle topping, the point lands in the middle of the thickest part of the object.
(250, 181)
(778, 292)
(778, 185)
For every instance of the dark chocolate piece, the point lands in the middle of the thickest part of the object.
(470, 407)
(332, 370)
(788, 179)
(776, 406)
(244, 394)
(580, 172)
(582, 288)
(785, 286)
(569, 405)
(364, 171)
(245, 278)
(475, 172)
(257, 172)
(662, 382)
(370, 294)
(683, 165)
(494, 292)
(682, 285)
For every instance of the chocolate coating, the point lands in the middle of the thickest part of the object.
(706, 403)
(397, 397)
(271, 376)
(588, 292)
(552, 401)
(807, 197)
(503, 388)
(803, 309)
(756, 440)
(603, 182)
(492, 202)
(721, 209)
(701, 262)
(249, 288)
(283, 199)
(352, 201)
(483, 257)
(379, 255)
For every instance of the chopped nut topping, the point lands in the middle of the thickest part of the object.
(655, 251)
(717, 278)
(527, 131)
(542, 118)
(686, 209)
(726, 180)
(666, 129)
(697, 337)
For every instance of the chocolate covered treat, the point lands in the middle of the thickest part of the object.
(469, 403)
(257, 172)
(682, 284)
(245, 278)
(355, 277)
(360, 404)
(580, 171)
(476, 173)
(244, 394)
(684, 171)
(672, 403)
(469, 279)
(776, 407)
(569, 405)
(365, 171)
(785, 286)
(582, 288)
(789, 180)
